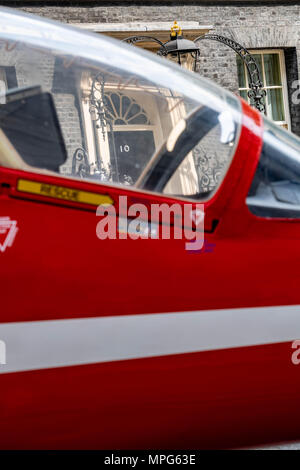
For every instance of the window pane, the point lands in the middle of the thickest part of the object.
(272, 69)
(244, 94)
(257, 58)
(252, 103)
(241, 72)
(275, 108)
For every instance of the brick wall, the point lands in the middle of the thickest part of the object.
(254, 26)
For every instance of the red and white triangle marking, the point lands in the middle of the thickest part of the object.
(8, 231)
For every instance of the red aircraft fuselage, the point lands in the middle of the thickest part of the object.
(59, 282)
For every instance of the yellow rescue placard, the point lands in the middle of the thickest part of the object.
(62, 192)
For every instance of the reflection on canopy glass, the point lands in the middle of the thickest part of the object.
(115, 108)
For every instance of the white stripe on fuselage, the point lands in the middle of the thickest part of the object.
(58, 343)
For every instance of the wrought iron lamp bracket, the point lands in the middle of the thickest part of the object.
(256, 92)
(134, 39)
(80, 163)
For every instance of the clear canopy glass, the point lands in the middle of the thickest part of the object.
(87, 106)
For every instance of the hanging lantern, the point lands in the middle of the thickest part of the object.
(181, 50)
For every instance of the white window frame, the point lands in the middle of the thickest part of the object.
(3, 81)
(283, 86)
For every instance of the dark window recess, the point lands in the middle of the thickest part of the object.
(290, 56)
(11, 77)
(65, 82)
